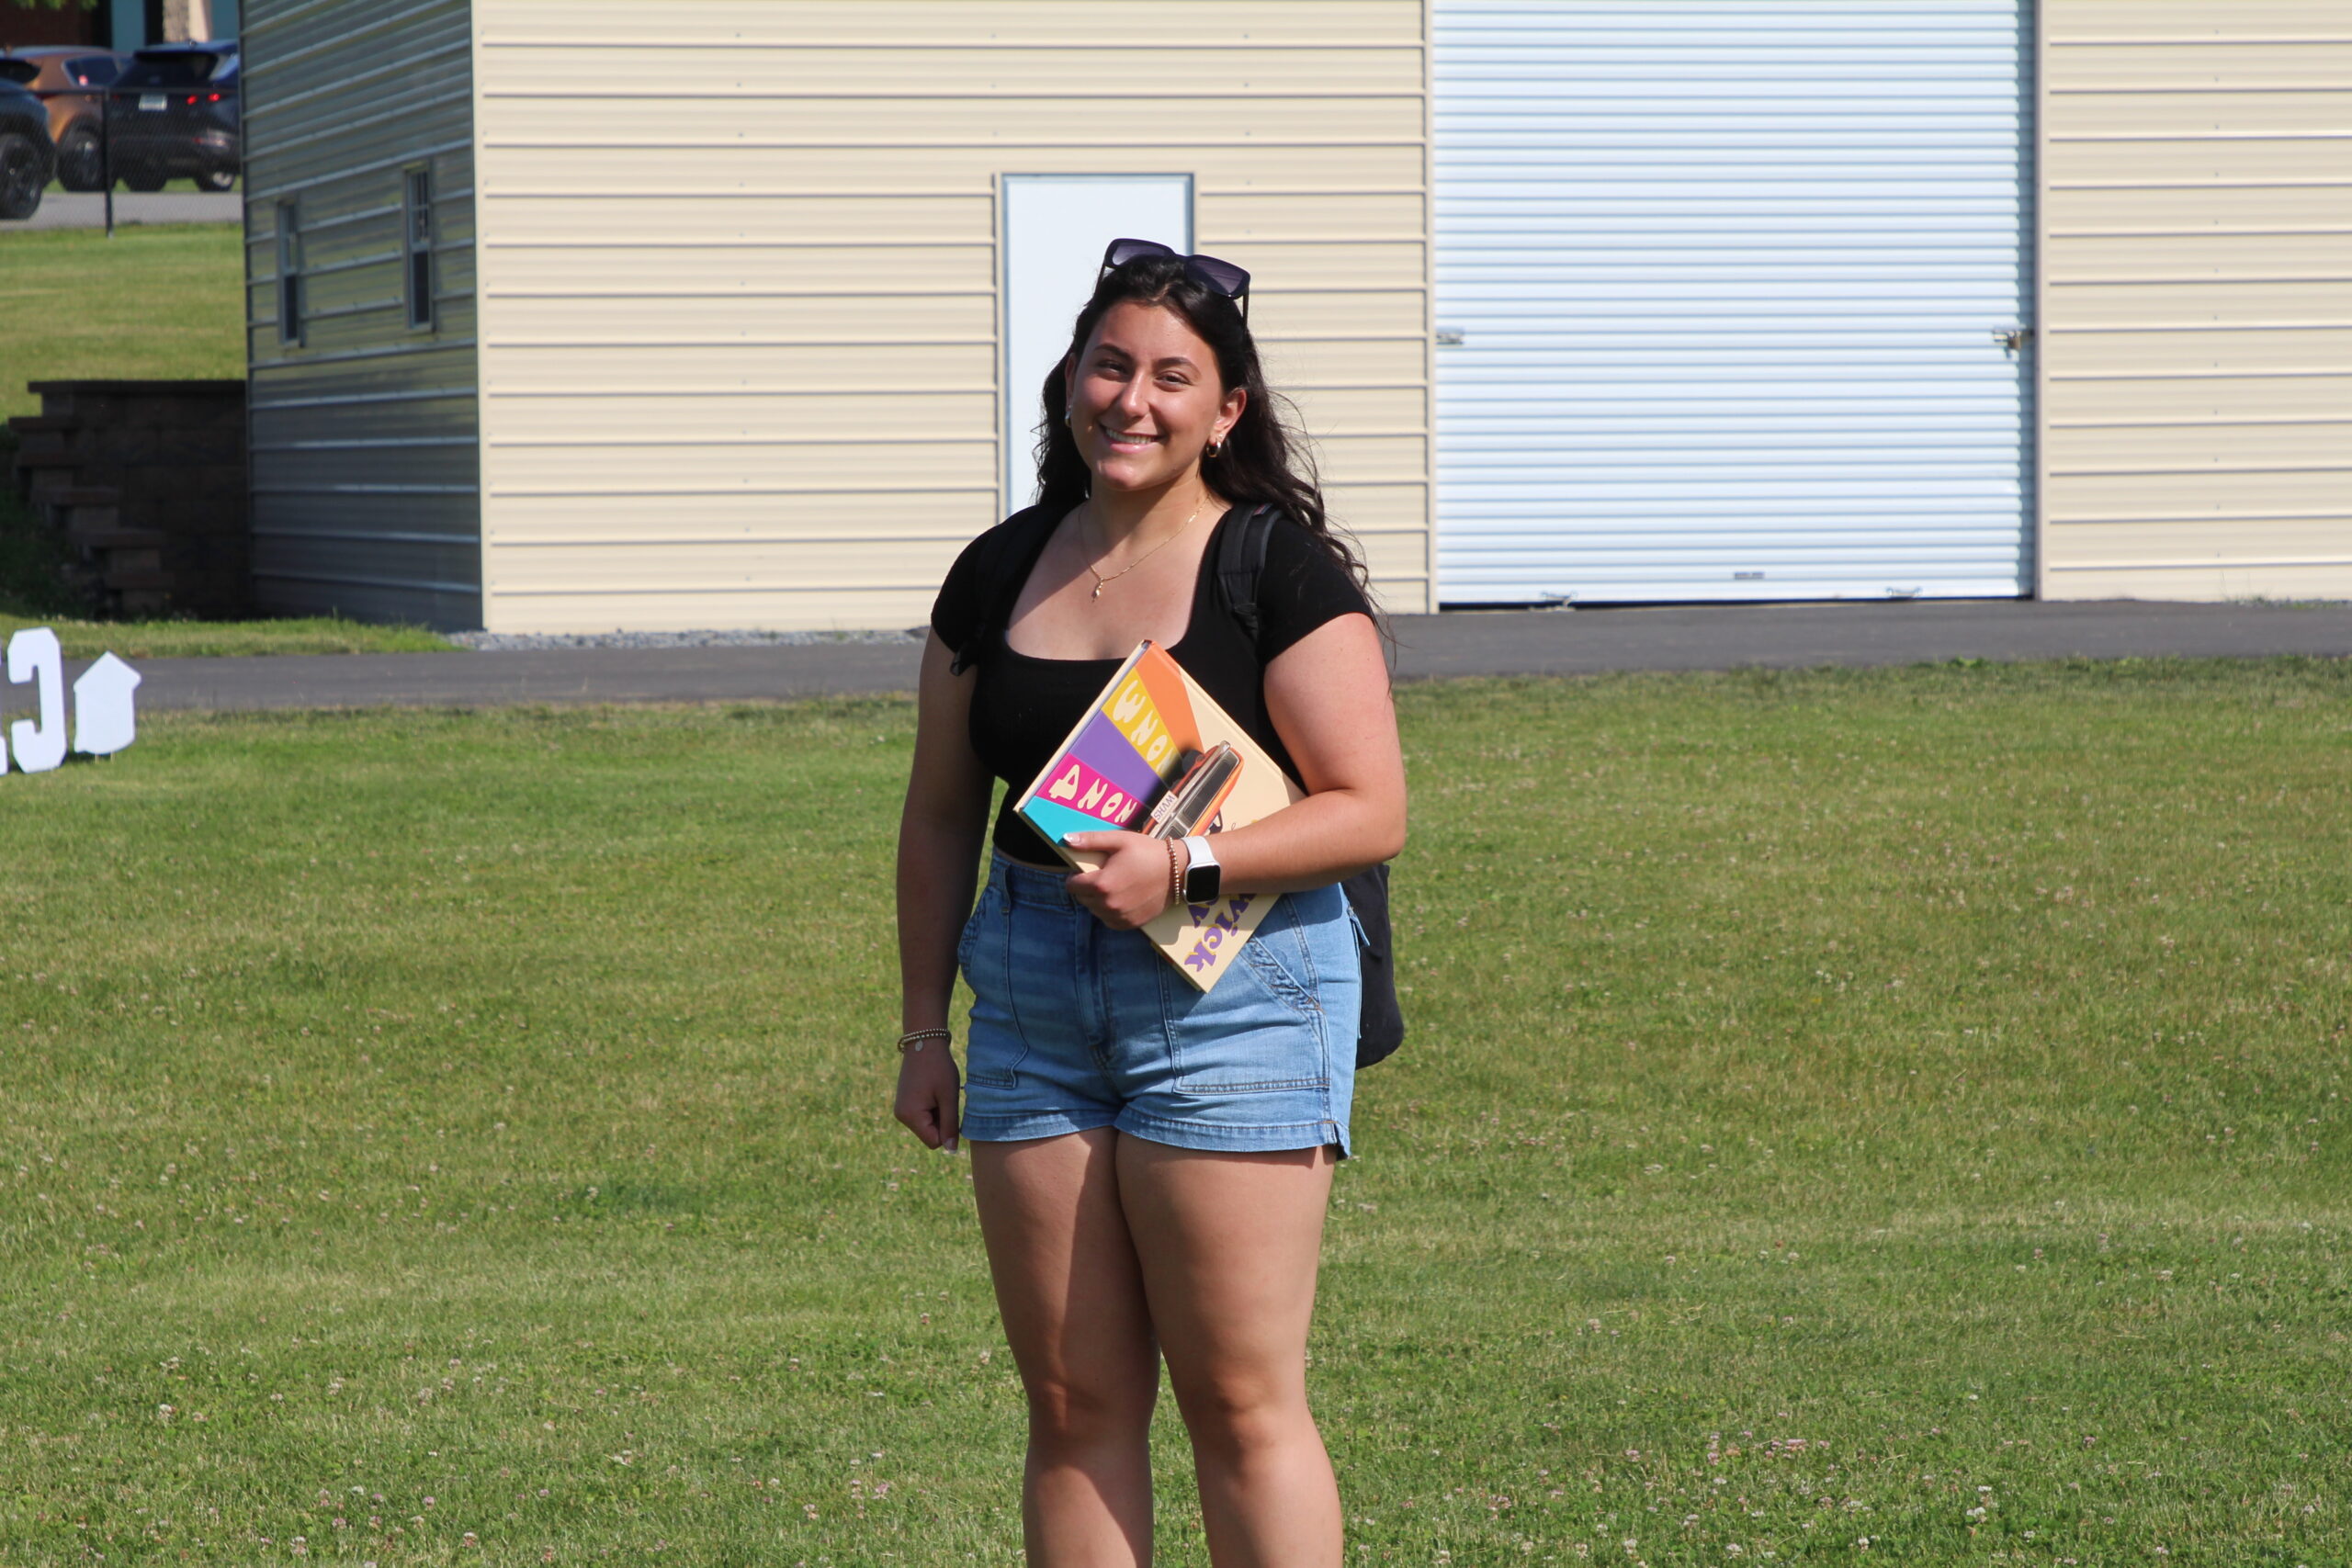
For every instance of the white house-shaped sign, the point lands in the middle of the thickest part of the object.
(102, 723)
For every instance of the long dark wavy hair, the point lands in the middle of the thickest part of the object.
(1262, 458)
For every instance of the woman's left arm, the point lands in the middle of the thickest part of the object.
(1327, 696)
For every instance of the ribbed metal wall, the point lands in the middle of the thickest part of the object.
(364, 469)
(2198, 336)
(1726, 279)
(740, 277)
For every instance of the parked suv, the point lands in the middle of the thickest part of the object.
(27, 157)
(173, 112)
(70, 80)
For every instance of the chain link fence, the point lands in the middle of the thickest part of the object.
(116, 122)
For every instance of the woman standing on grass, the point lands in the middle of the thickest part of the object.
(1151, 1163)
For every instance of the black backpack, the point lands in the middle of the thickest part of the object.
(1013, 550)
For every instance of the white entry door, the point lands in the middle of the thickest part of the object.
(1721, 299)
(1054, 229)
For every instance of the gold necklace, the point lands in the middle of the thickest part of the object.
(1101, 582)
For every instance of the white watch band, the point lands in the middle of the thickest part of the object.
(1197, 852)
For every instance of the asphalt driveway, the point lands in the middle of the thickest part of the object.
(1536, 642)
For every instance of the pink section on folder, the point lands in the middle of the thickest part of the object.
(1080, 789)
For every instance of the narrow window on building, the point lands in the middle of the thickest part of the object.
(289, 275)
(416, 214)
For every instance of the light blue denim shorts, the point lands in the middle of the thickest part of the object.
(1075, 1025)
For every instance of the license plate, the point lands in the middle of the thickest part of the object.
(151, 100)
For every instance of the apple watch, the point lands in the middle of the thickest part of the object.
(1203, 875)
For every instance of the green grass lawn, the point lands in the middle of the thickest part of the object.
(167, 303)
(164, 302)
(190, 639)
(1900, 1106)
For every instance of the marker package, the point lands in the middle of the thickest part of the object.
(1193, 801)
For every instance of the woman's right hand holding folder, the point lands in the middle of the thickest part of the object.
(1134, 882)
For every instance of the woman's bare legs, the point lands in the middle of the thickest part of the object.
(1229, 1244)
(1071, 1296)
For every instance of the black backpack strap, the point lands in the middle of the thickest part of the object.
(1380, 1019)
(1380, 1026)
(1007, 552)
(1241, 561)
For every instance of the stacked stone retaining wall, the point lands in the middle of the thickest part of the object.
(146, 482)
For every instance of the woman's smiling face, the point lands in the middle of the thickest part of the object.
(1146, 398)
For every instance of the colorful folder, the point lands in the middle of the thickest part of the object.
(1149, 721)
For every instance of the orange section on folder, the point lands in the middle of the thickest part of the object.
(1164, 679)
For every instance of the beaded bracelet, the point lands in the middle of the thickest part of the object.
(916, 1037)
(1175, 875)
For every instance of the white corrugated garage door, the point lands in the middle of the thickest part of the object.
(1728, 279)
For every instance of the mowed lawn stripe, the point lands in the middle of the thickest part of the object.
(1899, 1106)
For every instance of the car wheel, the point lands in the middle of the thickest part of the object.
(216, 179)
(78, 163)
(21, 176)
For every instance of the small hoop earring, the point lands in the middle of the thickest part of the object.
(1065, 416)
(1215, 447)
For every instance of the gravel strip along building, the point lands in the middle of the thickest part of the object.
(729, 313)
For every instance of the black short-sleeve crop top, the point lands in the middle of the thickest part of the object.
(1022, 706)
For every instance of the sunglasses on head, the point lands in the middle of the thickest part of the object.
(1217, 276)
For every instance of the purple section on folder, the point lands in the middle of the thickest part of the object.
(1101, 747)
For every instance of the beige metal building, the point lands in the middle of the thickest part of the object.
(2197, 298)
(675, 313)
(741, 275)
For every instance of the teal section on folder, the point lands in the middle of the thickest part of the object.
(1057, 822)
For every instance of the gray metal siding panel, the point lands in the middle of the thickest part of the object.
(1727, 280)
(364, 436)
